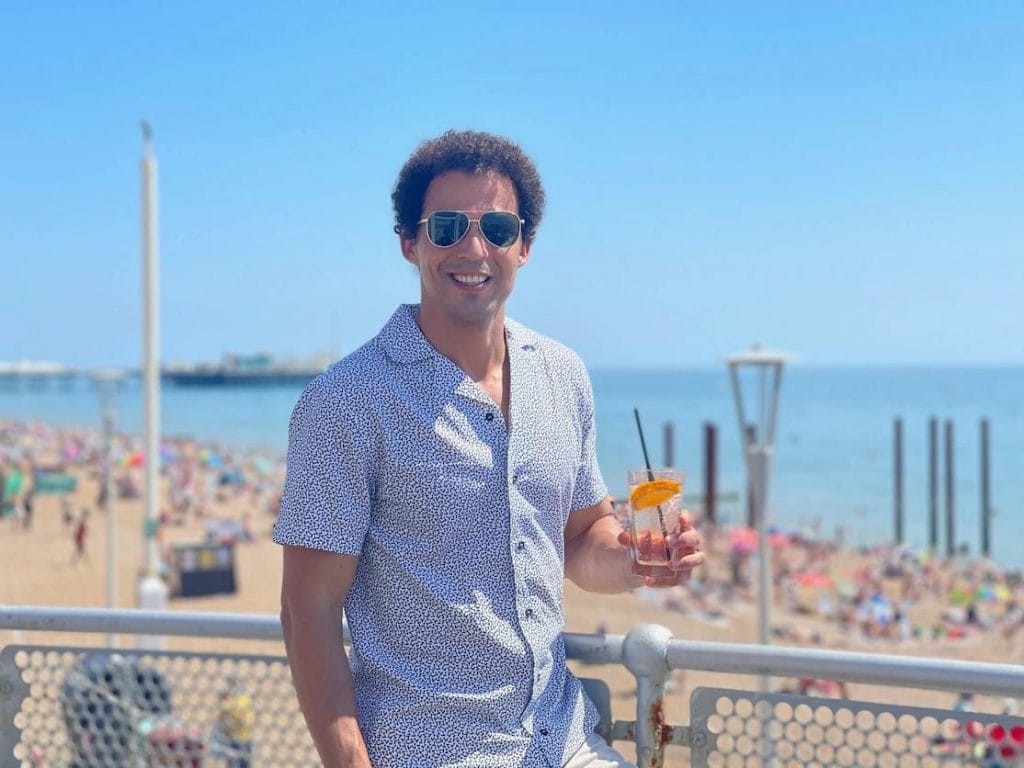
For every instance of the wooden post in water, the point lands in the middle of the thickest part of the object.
(751, 437)
(710, 472)
(986, 506)
(933, 485)
(897, 489)
(670, 458)
(950, 514)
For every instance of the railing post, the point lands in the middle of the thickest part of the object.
(644, 652)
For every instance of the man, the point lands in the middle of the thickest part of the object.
(442, 481)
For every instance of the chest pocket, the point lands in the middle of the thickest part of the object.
(434, 502)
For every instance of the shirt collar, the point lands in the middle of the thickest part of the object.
(402, 338)
(404, 342)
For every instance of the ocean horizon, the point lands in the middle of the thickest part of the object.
(833, 464)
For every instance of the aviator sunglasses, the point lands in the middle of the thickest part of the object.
(447, 228)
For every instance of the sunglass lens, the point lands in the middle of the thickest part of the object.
(500, 227)
(446, 228)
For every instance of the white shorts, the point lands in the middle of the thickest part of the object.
(595, 753)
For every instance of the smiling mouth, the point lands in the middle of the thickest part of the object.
(471, 281)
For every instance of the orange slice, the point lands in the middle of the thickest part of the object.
(653, 492)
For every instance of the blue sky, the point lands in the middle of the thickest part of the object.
(841, 180)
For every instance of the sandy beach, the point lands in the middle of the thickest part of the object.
(39, 569)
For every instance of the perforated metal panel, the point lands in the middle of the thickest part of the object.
(734, 729)
(93, 708)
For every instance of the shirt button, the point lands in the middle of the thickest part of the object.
(543, 731)
(489, 417)
(520, 546)
(528, 613)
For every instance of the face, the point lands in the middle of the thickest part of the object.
(469, 282)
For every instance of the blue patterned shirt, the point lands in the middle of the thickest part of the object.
(397, 456)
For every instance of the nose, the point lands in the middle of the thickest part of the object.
(474, 240)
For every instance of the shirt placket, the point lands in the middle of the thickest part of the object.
(522, 531)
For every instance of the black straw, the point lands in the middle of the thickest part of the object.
(643, 445)
(650, 476)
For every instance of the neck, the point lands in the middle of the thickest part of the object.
(477, 348)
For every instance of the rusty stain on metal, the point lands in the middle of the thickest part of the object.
(656, 717)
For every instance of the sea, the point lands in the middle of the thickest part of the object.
(833, 465)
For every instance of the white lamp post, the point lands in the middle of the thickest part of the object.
(152, 590)
(757, 456)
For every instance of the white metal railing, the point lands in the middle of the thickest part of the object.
(648, 651)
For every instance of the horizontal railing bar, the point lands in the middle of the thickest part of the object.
(594, 649)
(249, 626)
(731, 658)
(851, 666)
(246, 626)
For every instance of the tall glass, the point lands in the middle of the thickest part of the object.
(655, 508)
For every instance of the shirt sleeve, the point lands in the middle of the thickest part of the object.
(589, 488)
(327, 489)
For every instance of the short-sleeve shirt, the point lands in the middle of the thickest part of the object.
(458, 519)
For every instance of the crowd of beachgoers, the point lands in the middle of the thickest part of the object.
(825, 593)
(224, 490)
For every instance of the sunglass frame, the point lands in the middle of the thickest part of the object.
(469, 224)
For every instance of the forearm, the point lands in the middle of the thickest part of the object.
(323, 682)
(596, 562)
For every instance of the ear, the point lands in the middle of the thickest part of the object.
(524, 252)
(408, 246)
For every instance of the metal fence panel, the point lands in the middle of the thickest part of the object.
(93, 708)
(743, 729)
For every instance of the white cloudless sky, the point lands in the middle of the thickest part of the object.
(841, 180)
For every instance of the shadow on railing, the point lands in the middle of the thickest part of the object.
(66, 707)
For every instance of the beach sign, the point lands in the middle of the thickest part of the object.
(53, 481)
(202, 568)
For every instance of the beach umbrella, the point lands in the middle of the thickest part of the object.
(985, 592)
(958, 596)
(743, 540)
(813, 579)
(134, 459)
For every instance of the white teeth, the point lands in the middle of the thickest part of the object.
(470, 279)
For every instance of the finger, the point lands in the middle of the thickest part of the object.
(687, 536)
(688, 562)
(689, 539)
(685, 521)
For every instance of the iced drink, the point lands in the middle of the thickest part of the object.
(655, 505)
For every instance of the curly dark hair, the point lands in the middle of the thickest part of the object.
(470, 152)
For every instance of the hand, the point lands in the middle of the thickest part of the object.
(684, 552)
